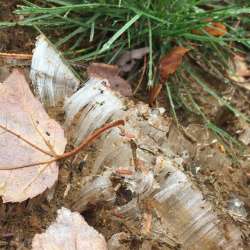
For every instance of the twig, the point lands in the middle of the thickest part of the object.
(97, 133)
(16, 56)
(91, 138)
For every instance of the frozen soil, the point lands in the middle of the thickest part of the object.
(216, 174)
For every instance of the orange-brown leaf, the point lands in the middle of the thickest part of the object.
(170, 62)
(215, 29)
(153, 93)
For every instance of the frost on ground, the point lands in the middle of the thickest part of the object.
(164, 204)
(144, 185)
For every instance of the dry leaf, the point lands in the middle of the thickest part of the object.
(170, 62)
(168, 65)
(241, 71)
(22, 117)
(241, 67)
(215, 29)
(127, 61)
(110, 73)
(245, 134)
(153, 93)
(69, 232)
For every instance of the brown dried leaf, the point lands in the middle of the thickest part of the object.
(245, 135)
(240, 72)
(111, 73)
(168, 65)
(215, 29)
(127, 61)
(24, 117)
(153, 93)
(170, 62)
(69, 232)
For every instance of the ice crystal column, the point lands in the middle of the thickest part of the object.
(141, 149)
(188, 219)
(51, 77)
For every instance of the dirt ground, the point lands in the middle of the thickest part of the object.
(218, 176)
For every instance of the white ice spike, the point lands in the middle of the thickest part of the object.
(52, 79)
(96, 104)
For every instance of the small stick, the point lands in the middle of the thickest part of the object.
(142, 75)
(16, 56)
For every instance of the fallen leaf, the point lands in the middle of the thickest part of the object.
(170, 62)
(245, 134)
(4, 72)
(240, 71)
(153, 93)
(168, 65)
(215, 29)
(69, 232)
(27, 136)
(127, 61)
(111, 73)
(245, 137)
(241, 66)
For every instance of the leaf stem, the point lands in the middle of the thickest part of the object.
(90, 138)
